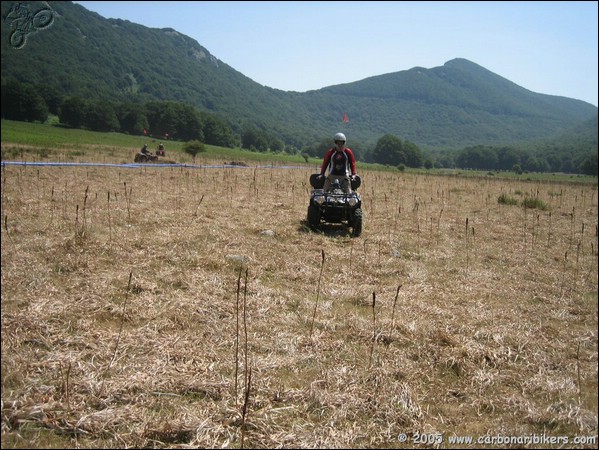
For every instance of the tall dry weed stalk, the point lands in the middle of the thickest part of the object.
(564, 274)
(572, 224)
(194, 215)
(247, 369)
(77, 229)
(578, 373)
(7, 231)
(393, 310)
(128, 200)
(549, 231)
(467, 248)
(245, 408)
(578, 250)
(396, 219)
(524, 226)
(67, 386)
(118, 338)
(4, 190)
(109, 219)
(317, 294)
(418, 250)
(245, 332)
(373, 329)
(439, 225)
(236, 387)
(85, 197)
(51, 208)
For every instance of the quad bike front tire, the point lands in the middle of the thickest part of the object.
(313, 216)
(356, 222)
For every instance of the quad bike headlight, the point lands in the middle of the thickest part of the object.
(319, 199)
(353, 201)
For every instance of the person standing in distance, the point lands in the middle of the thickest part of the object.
(341, 164)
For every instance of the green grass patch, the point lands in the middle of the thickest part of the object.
(534, 203)
(505, 199)
(53, 136)
(78, 142)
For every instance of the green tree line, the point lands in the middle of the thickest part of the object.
(180, 121)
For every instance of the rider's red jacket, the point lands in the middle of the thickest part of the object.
(342, 163)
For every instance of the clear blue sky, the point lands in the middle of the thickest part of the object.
(546, 47)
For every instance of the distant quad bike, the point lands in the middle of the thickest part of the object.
(335, 206)
(145, 157)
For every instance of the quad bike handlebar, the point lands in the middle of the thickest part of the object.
(317, 181)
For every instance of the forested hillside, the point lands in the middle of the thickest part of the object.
(82, 55)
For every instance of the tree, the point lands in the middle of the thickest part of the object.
(318, 149)
(72, 112)
(193, 148)
(22, 102)
(132, 118)
(478, 157)
(412, 154)
(216, 132)
(100, 116)
(508, 157)
(188, 122)
(388, 150)
(588, 166)
(254, 139)
(51, 96)
(178, 120)
(535, 164)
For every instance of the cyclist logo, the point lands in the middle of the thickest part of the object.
(24, 22)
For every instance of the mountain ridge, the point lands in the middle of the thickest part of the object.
(450, 106)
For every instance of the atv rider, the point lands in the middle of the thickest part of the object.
(341, 163)
(144, 150)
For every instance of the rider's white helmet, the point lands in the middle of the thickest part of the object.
(340, 137)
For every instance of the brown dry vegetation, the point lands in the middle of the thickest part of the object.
(152, 307)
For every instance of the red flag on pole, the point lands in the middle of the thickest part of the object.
(345, 118)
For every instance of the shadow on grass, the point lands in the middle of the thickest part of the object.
(326, 229)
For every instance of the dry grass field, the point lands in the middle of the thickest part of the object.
(191, 307)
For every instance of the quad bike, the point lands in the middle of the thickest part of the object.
(335, 205)
(145, 157)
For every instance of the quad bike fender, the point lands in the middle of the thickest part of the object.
(316, 181)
